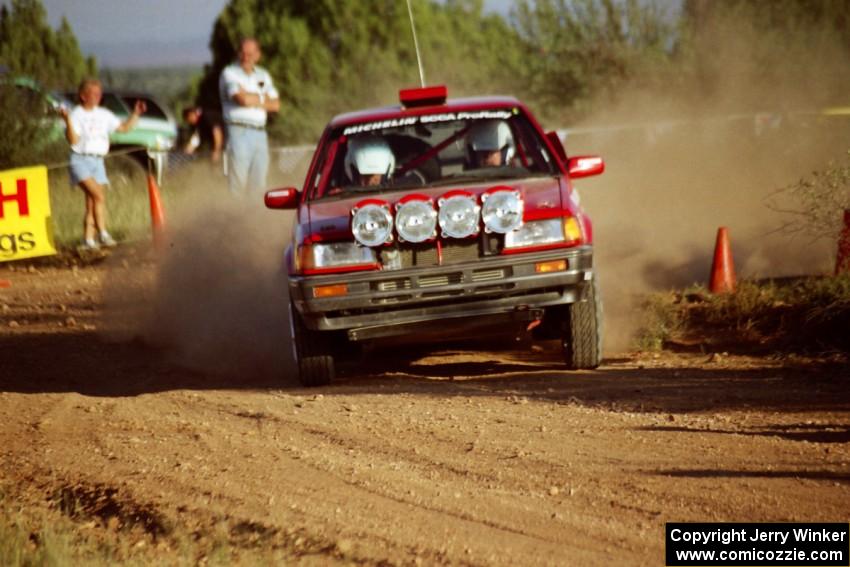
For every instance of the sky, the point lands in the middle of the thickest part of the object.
(151, 33)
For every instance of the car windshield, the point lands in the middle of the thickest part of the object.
(114, 103)
(430, 151)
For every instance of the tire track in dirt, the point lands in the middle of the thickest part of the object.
(469, 455)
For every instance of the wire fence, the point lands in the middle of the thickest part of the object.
(177, 174)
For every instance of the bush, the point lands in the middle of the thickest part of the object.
(27, 129)
(815, 205)
(795, 314)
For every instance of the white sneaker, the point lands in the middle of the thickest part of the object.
(90, 244)
(107, 240)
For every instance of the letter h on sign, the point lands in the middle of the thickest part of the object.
(20, 196)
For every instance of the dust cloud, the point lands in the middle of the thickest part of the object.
(685, 160)
(216, 295)
(681, 162)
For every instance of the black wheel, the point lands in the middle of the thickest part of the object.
(581, 331)
(313, 353)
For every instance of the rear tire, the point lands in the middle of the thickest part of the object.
(313, 353)
(581, 331)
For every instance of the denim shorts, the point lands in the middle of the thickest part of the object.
(83, 167)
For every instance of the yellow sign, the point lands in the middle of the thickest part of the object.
(26, 229)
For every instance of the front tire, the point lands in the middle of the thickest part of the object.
(581, 331)
(313, 353)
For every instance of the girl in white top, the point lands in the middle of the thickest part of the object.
(87, 128)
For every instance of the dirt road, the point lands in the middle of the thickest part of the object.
(461, 456)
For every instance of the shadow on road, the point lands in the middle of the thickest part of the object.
(808, 432)
(722, 473)
(85, 364)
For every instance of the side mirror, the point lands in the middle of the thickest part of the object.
(585, 166)
(555, 140)
(283, 198)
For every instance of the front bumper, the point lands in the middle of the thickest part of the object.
(490, 291)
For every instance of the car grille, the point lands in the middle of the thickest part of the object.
(406, 288)
(476, 276)
(407, 255)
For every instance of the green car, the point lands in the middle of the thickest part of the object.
(28, 96)
(154, 135)
(156, 128)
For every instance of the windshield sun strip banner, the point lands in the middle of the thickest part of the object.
(427, 119)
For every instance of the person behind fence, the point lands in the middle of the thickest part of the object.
(247, 96)
(200, 133)
(87, 129)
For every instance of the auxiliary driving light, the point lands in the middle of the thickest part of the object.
(550, 266)
(372, 224)
(416, 220)
(502, 210)
(459, 215)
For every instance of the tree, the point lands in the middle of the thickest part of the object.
(576, 51)
(29, 46)
(330, 56)
(34, 55)
(27, 133)
(768, 53)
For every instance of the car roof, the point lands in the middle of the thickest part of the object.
(451, 105)
(27, 82)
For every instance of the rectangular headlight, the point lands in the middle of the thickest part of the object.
(536, 233)
(337, 256)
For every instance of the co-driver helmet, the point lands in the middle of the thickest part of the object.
(490, 136)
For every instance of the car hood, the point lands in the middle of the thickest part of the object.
(330, 219)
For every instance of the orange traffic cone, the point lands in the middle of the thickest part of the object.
(842, 261)
(723, 267)
(157, 212)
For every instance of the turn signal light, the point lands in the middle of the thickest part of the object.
(550, 266)
(572, 230)
(330, 290)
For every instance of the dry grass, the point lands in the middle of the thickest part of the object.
(808, 314)
(128, 208)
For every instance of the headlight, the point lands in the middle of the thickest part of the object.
(502, 210)
(163, 143)
(459, 216)
(540, 233)
(336, 255)
(416, 220)
(372, 224)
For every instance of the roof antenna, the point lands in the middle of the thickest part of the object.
(416, 45)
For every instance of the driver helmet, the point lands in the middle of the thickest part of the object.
(369, 156)
(490, 136)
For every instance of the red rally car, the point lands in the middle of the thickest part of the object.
(439, 217)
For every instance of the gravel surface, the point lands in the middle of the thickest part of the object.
(464, 455)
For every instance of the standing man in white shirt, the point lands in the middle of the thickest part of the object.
(247, 96)
(87, 129)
